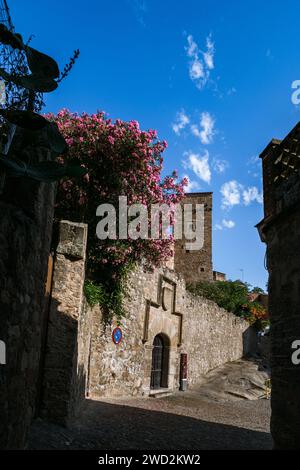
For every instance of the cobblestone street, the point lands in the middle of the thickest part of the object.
(192, 420)
(169, 423)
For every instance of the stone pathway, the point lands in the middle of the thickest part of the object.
(198, 419)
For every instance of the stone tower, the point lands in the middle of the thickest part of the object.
(195, 265)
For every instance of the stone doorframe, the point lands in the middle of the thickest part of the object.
(161, 317)
(162, 302)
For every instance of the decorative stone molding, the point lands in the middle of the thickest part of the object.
(166, 299)
(208, 334)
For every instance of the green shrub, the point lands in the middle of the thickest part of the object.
(109, 294)
(233, 296)
(230, 295)
(95, 294)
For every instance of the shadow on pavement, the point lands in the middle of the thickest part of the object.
(105, 426)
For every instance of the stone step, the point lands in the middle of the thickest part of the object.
(160, 393)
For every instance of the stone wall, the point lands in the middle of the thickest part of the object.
(282, 236)
(124, 369)
(81, 356)
(212, 336)
(26, 214)
(68, 339)
(159, 303)
(280, 230)
(283, 254)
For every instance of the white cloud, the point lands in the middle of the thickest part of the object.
(228, 223)
(192, 49)
(140, 9)
(225, 224)
(206, 131)
(255, 166)
(209, 54)
(182, 120)
(201, 63)
(254, 160)
(231, 195)
(252, 194)
(234, 193)
(198, 164)
(231, 91)
(191, 186)
(220, 166)
(195, 130)
(197, 70)
(207, 123)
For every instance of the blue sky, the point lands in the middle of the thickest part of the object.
(213, 78)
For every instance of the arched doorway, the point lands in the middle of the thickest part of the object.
(160, 362)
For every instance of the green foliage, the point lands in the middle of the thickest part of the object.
(109, 294)
(233, 296)
(230, 295)
(95, 294)
(68, 67)
(257, 290)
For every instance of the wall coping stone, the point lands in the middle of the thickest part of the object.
(72, 239)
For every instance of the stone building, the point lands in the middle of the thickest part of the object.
(280, 230)
(196, 265)
(61, 351)
(165, 328)
(217, 276)
(26, 209)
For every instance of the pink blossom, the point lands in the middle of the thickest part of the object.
(121, 159)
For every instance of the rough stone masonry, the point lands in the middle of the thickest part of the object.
(280, 230)
(82, 358)
(26, 216)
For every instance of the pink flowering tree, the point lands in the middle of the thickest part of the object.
(122, 160)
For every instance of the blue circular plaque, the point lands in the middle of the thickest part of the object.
(117, 335)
